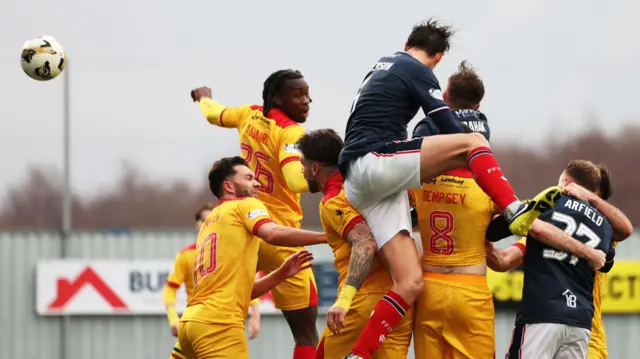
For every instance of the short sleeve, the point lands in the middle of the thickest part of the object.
(233, 117)
(288, 150)
(426, 89)
(521, 244)
(339, 215)
(253, 214)
(176, 278)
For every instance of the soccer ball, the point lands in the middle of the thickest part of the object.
(42, 58)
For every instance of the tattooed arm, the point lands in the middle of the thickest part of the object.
(363, 250)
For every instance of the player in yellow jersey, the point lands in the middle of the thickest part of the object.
(502, 260)
(454, 314)
(183, 274)
(268, 134)
(364, 280)
(224, 274)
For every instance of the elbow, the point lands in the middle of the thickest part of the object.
(623, 233)
(273, 236)
(270, 237)
(497, 265)
(627, 231)
(537, 229)
(297, 185)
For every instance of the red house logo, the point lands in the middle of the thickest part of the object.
(268, 296)
(67, 289)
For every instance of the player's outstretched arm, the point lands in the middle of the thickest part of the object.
(557, 238)
(502, 260)
(216, 113)
(295, 264)
(622, 228)
(289, 237)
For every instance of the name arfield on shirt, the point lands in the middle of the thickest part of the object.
(586, 210)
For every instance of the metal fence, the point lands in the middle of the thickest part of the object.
(30, 336)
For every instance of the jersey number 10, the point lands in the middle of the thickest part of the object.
(206, 258)
(572, 229)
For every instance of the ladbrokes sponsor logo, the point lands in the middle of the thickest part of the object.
(454, 180)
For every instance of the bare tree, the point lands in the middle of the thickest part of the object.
(135, 201)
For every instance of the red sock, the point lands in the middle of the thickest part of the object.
(304, 352)
(386, 315)
(489, 177)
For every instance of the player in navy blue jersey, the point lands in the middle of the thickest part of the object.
(463, 94)
(556, 312)
(380, 165)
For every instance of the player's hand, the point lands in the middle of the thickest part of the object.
(200, 92)
(335, 319)
(254, 327)
(579, 192)
(174, 330)
(295, 264)
(597, 259)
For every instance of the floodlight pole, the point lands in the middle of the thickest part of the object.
(67, 196)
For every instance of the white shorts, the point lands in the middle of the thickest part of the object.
(549, 341)
(377, 185)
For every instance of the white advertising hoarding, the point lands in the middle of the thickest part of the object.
(97, 287)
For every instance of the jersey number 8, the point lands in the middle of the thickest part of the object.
(262, 174)
(206, 258)
(572, 228)
(441, 234)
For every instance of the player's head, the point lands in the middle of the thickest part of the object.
(288, 91)
(606, 186)
(582, 172)
(201, 214)
(320, 150)
(465, 89)
(428, 42)
(231, 177)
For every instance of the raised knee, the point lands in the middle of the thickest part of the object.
(477, 140)
(417, 286)
(411, 286)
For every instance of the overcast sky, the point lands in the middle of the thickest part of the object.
(546, 64)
